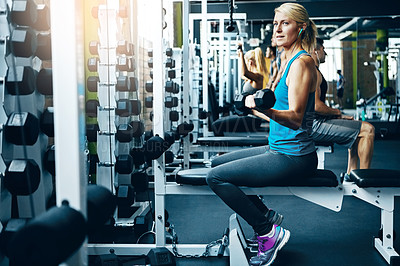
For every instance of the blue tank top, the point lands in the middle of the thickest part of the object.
(283, 139)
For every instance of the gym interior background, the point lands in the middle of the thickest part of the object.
(105, 103)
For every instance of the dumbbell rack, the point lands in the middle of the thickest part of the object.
(114, 138)
(5, 199)
(23, 54)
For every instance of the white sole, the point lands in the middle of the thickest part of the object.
(285, 239)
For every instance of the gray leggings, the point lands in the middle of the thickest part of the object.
(256, 167)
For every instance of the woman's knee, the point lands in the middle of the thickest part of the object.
(367, 130)
(212, 178)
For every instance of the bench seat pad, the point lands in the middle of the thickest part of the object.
(197, 177)
(233, 141)
(376, 177)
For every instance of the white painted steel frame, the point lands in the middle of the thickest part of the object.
(186, 83)
(143, 249)
(158, 119)
(69, 100)
(204, 63)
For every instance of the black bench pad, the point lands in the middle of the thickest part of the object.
(232, 141)
(197, 177)
(242, 141)
(375, 177)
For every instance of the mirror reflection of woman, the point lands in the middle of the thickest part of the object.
(253, 70)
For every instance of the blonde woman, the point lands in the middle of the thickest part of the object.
(291, 156)
(253, 70)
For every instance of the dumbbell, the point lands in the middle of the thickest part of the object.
(169, 157)
(169, 52)
(170, 137)
(171, 74)
(27, 13)
(94, 47)
(92, 83)
(134, 83)
(49, 160)
(149, 86)
(91, 108)
(101, 203)
(93, 161)
(140, 181)
(63, 227)
(124, 164)
(125, 64)
(43, 18)
(148, 134)
(43, 50)
(125, 83)
(171, 102)
(152, 149)
(21, 128)
(24, 12)
(150, 52)
(125, 199)
(155, 147)
(124, 133)
(171, 87)
(264, 99)
(148, 102)
(150, 62)
(10, 229)
(125, 47)
(184, 129)
(127, 107)
(169, 62)
(138, 128)
(202, 114)
(92, 64)
(24, 42)
(44, 81)
(137, 155)
(173, 115)
(47, 122)
(22, 177)
(91, 132)
(21, 81)
(125, 195)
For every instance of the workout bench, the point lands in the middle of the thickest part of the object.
(374, 186)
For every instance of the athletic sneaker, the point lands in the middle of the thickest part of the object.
(274, 218)
(345, 177)
(268, 247)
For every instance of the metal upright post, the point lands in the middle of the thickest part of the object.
(69, 101)
(229, 71)
(186, 85)
(158, 120)
(204, 50)
(221, 68)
